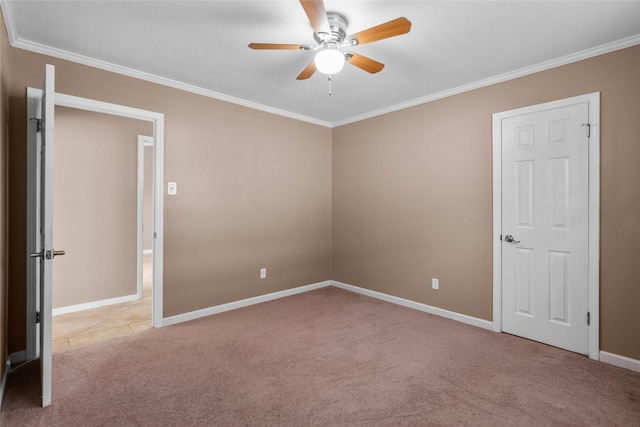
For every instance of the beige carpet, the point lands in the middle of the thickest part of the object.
(330, 358)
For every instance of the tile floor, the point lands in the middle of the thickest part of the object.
(89, 326)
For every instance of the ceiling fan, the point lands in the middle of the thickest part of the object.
(330, 34)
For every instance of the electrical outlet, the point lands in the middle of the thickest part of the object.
(172, 188)
(263, 273)
(435, 284)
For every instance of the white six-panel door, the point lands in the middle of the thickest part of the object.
(545, 225)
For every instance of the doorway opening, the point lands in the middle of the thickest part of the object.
(155, 259)
(96, 192)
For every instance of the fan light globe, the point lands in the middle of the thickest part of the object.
(329, 60)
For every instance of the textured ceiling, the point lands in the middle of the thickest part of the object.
(202, 46)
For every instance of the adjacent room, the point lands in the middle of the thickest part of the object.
(319, 212)
(99, 161)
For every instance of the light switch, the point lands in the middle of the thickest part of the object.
(173, 188)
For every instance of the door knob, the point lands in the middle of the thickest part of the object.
(509, 239)
(47, 254)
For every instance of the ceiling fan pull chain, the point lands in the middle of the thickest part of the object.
(330, 92)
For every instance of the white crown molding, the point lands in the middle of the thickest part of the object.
(7, 12)
(130, 72)
(107, 66)
(6, 8)
(547, 65)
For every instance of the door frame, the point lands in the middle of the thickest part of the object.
(593, 99)
(158, 181)
(143, 141)
(157, 120)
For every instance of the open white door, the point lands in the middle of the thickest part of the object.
(41, 227)
(41, 107)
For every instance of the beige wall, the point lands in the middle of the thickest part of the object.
(95, 206)
(409, 193)
(5, 83)
(412, 194)
(254, 190)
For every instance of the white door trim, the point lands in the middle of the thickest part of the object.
(33, 101)
(143, 141)
(594, 210)
(158, 179)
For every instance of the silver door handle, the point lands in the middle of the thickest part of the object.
(509, 239)
(47, 254)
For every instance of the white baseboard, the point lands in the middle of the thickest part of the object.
(3, 382)
(474, 321)
(481, 323)
(13, 359)
(172, 320)
(620, 361)
(93, 304)
(18, 357)
(610, 358)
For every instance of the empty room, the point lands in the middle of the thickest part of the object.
(361, 213)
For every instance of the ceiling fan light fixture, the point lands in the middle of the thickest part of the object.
(329, 60)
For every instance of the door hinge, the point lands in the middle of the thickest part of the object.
(37, 317)
(588, 318)
(38, 124)
(588, 126)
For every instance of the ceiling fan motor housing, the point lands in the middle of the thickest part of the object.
(338, 25)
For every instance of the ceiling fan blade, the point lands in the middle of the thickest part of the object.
(277, 46)
(364, 63)
(317, 15)
(307, 72)
(383, 31)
